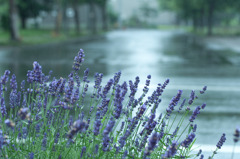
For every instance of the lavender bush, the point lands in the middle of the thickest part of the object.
(53, 118)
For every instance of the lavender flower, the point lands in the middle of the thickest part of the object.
(9, 123)
(3, 107)
(192, 96)
(173, 103)
(175, 132)
(37, 71)
(24, 132)
(221, 141)
(188, 140)
(83, 151)
(203, 90)
(141, 111)
(107, 130)
(116, 78)
(195, 113)
(181, 106)
(98, 80)
(75, 97)
(97, 124)
(69, 90)
(31, 155)
(107, 88)
(78, 126)
(30, 76)
(165, 83)
(194, 128)
(13, 83)
(85, 76)
(5, 77)
(125, 154)
(171, 151)
(119, 97)
(44, 141)
(199, 152)
(78, 60)
(22, 86)
(109, 126)
(96, 149)
(123, 139)
(24, 113)
(152, 143)
(145, 89)
(122, 126)
(236, 135)
(203, 105)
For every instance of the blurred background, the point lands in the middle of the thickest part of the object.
(192, 42)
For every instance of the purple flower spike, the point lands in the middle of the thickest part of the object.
(195, 113)
(141, 111)
(203, 90)
(31, 155)
(83, 151)
(109, 126)
(203, 105)
(13, 83)
(9, 123)
(152, 143)
(106, 132)
(188, 140)
(173, 103)
(85, 76)
(97, 124)
(78, 126)
(5, 77)
(192, 96)
(236, 135)
(221, 141)
(24, 113)
(37, 70)
(3, 107)
(171, 151)
(78, 60)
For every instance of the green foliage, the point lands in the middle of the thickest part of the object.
(202, 13)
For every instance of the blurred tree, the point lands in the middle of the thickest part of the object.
(32, 8)
(75, 6)
(103, 6)
(4, 17)
(92, 16)
(59, 16)
(147, 12)
(198, 11)
(14, 31)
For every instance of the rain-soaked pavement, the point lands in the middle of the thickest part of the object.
(183, 58)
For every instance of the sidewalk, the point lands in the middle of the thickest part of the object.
(220, 43)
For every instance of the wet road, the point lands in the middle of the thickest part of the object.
(183, 58)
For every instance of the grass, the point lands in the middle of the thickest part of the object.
(38, 36)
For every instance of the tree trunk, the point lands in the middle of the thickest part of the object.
(23, 22)
(58, 21)
(76, 16)
(92, 18)
(210, 17)
(201, 19)
(14, 31)
(104, 17)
